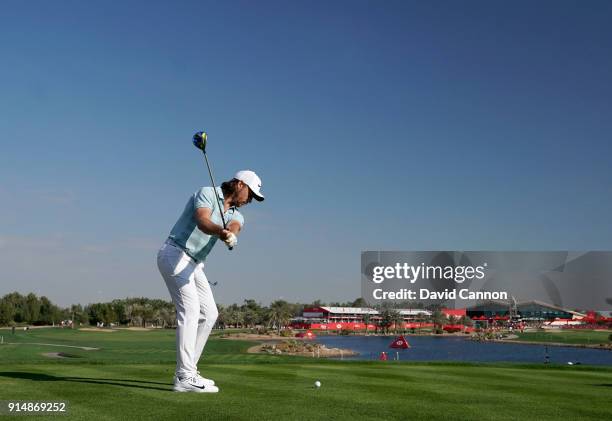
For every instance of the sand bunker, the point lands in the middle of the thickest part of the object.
(84, 348)
(61, 355)
(97, 329)
(138, 329)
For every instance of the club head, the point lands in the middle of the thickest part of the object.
(199, 141)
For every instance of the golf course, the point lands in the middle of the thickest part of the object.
(127, 374)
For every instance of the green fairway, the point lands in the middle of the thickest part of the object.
(566, 336)
(116, 346)
(130, 377)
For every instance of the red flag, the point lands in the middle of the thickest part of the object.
(400, 342)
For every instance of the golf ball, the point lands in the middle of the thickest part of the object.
(317, 384)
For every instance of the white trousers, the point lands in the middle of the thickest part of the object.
(196, 311)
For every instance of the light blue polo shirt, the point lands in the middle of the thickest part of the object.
(186, 233)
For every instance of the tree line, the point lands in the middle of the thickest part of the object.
(30, 309)
(144, 312)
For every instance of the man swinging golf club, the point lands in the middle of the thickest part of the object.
(210, 213)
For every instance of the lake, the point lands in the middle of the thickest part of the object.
(454, 348)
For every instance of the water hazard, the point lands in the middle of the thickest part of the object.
(433, 348)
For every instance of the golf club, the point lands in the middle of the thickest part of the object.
(199, 141)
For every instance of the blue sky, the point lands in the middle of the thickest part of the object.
(374, 125)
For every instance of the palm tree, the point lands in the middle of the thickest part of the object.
(148, 313)
(167, 316)
(466, 321)
(397, 319)
(222, 318)
(366, 319)
(438, 319)
(359, 302)
(252, 312)
(236, 317)
(385, 319)
(157, 316)
(134, 313)
(279, 314)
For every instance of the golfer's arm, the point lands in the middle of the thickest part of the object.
(234, 226)
(202, 217)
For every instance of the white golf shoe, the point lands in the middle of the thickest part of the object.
(196, 384)
(208, 382)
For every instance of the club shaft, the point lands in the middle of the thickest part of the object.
(212, 180)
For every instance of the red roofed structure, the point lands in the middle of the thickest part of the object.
(456, 312)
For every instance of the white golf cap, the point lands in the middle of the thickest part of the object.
(252, 180)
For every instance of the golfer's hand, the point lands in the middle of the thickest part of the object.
(225, 235)
(232, 240)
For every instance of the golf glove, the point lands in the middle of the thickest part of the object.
(232, 240)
